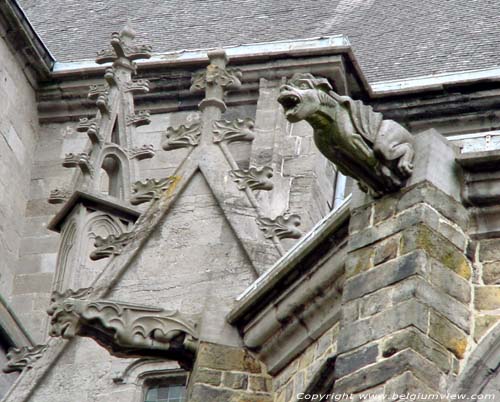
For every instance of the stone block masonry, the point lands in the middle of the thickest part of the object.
(407, 296)
(228, 374)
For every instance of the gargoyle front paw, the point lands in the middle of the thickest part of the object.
(405, 168)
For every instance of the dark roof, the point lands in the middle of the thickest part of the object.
(392, 39)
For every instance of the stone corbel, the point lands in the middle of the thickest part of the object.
(22, 358)
(125, 330)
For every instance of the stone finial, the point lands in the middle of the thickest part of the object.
(124, 329)
(182, 136)
(23, 358)
(376, 152)
(124, 52)
(111, 245)
(230, 131)
(149, 190)
(253, 178)
(281, 227)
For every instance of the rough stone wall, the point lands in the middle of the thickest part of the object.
(486, 254)
(18, 136)
(292, 380)
(228, 374)
(406, 320)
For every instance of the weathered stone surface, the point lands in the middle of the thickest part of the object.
(482, 324)
(449, 282)
(350, 362)
(438, 247)
(487, 297)
(401, 387)
(385, 275)
(203, 393)
(491, 273)
(369, 329)
(218, 357)
(419, 342)
(260, 384)
(447, 335)
(364, 152)
(489, 250)
(235, 380)
(387, 250)
(361, 218)
(358, 261)
(382, 371)
(210, 377)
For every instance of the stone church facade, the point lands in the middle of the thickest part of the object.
(181, 226)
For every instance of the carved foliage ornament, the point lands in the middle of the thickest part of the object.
(376, 152)
(281, 227)
(140, 118)
(214, 74)
(236, 130)
(24, 357)
(111, 245)
(81, 160)
(59, 196)
(182, 136)
(125, 330)
(145, 152)
(150, 189)
(253, 178)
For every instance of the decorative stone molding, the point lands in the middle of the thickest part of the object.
(80, 160)
(150, 189)
(145, 152)
(111, 245)
(141, 118)
(137, 86)
(124, 53)
(182, 136)
(23, 358)
(281, 227)
(59, 196)
(216, 75)
(110, 77)
(376, 152)
(253, 178)
(236, 130)
(125, 330)
(90, 127)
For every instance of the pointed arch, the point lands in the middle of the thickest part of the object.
(115, 164)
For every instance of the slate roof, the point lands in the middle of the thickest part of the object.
(392, 39)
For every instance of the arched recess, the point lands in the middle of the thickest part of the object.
(97, 223)
(481, 373)
(115, 165)
(74, 267)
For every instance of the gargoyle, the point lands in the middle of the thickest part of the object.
(376, 152)
(125, 330)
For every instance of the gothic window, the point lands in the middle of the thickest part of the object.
(170, 389)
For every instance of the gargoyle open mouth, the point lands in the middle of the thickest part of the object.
(290, 102)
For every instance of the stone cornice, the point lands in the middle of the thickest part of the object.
(292, 305)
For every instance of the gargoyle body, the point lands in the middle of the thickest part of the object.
(376, 152)
(125, 330)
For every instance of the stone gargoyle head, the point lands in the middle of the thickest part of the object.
(300, 97)
(65, 310)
